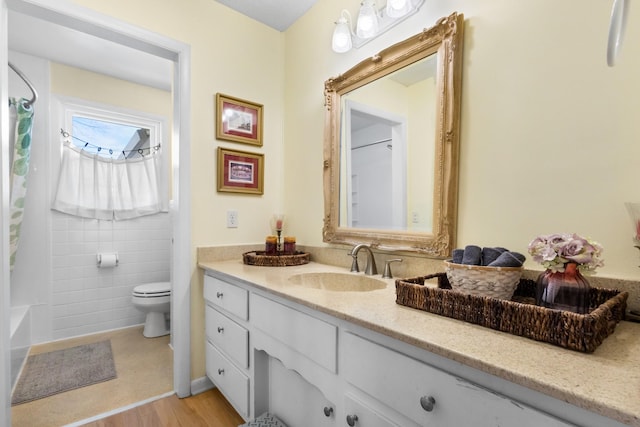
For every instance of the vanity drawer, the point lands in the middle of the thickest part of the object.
(401, 381)
(229, 297)
(232, 382)
(227, 335)
(314, 338)
(388, 376)
(366, 416)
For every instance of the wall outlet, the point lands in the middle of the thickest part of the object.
(415, 217)
(232, 219)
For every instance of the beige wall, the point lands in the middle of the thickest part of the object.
(549, 132)
(77, 83)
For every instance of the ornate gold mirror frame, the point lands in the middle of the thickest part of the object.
(444, 40)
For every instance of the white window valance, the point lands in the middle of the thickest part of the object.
(93, 186)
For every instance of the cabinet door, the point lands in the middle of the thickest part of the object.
(232, 382)
(296, 401)
(227, 335)
(229, 297)
(406, 385)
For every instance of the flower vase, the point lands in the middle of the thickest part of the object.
(567, 290)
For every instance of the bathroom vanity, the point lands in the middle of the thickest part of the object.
(318, 357)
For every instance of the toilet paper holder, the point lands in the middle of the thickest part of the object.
(107, 260)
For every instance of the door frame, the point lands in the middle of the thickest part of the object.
(398, 125)
(109, 28)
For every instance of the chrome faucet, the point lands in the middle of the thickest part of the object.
(370, 269)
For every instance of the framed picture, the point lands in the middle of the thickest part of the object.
(240, 172)
(238, 120)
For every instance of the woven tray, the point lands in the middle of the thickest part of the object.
(259, 258)
(520, 316)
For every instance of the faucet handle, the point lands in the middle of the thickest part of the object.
(387, 268)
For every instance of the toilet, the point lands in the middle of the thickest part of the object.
(154, 299)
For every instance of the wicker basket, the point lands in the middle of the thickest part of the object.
(282, 260)
(494, 282)
(580, 332)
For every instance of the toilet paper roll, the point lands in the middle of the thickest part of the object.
(107, 260)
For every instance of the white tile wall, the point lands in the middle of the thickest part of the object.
(88, 299)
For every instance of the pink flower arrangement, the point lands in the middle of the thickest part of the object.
(554, 251)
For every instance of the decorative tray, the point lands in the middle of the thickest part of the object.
(260, 258)
(520, 316)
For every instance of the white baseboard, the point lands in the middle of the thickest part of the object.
(201, 385)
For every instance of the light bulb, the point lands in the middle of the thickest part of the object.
(367, 24)
(341, 40)
(398, 8)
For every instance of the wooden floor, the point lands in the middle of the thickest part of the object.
(204, 409)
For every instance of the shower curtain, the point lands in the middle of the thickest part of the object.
(20, 154)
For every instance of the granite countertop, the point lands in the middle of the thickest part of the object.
(606, 381)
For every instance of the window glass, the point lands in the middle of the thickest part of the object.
(109, 138)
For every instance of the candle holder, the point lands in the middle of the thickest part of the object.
(277, 224)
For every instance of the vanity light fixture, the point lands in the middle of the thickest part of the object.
(371, 22)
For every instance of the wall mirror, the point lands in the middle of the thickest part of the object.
(391, 144)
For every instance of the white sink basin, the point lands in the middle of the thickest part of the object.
(340, 282)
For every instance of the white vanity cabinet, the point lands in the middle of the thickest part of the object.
(266, 353)
(227, 341)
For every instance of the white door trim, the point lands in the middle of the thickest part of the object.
(5, 297)
(91, 22)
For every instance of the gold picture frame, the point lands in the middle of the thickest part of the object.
(238, 120)
(240, 171)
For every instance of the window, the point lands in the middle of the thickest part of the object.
(111, 132)
(112, 164)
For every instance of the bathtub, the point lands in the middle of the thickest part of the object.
(20, 339)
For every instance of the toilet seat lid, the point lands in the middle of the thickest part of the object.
(157, 289)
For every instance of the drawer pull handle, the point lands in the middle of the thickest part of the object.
(220, 329)
(352, 419)
(427, 403)
(220, 371)
(328, 411)
(219, 294)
